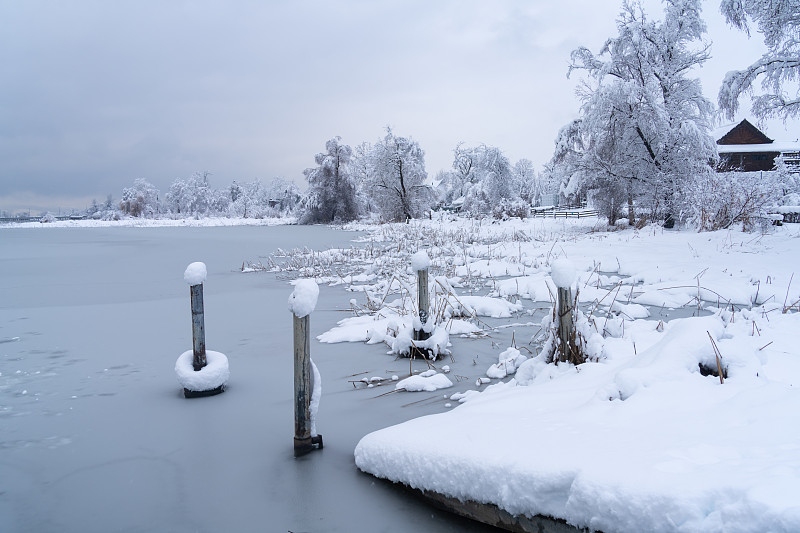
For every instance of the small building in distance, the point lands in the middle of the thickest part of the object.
(745, 148)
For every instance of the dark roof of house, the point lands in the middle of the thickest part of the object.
(744, 133)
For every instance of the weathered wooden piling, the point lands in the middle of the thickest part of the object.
(566, 325)
(205, 372)
(198, 327)
(301, 303)
(420, 262)
(423, 304)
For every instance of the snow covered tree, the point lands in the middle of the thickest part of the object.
(644, 125)
(140, 200)
(283, 194)
(779, 68)
(527, 184)
(331, 195)
(482, 176)
(396, 181)
(191, 197)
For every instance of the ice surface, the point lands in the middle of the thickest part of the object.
(303, 299)
(211, 376)
(104, 439)
(195, 273)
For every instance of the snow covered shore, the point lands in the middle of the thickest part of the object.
(640, 438)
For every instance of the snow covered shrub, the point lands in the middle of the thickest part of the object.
(609, 199)
(506, 209)
(47, 218)
(719, 200)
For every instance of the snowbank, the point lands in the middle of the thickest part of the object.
(632, 443)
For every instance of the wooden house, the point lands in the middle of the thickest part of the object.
(745, 148)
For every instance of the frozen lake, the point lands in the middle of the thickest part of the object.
(95, 434)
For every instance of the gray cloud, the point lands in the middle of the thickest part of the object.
(94, 94)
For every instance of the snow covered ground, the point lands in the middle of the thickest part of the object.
(638, 438)
(96, 435)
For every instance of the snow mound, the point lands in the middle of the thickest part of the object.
(427, 381)
(563, 273)
(211, 376)
(303, 299)
(509, 361)
(420, 261)
(195, 273)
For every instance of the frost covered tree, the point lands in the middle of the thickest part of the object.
(331, 195)
(528, 185)
(283, 194)
(644, 125)
(779, 68)
(140, 200)
(192, 196)
(483, 176)
(249, 200)
(396, 178)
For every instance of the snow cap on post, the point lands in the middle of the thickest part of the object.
(563, 273)
(195, 274)
(303, 299)
(420, 261)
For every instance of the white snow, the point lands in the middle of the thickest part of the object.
(303, 299)
(316, 394)
(563, 273)
(633, 443)
(424, 382)
(211, 376)
(195, 273)
(420, 261)
(636, 439)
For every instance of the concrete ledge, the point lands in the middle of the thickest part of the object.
(492, 515)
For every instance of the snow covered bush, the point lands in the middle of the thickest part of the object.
(719, 200)
(506, 209)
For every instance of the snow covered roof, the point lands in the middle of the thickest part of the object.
(778, 146)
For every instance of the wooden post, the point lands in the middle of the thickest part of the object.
(304, 442)
(566, 325)
(198, 328)
(423, 303)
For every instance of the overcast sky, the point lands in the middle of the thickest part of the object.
(94, 94)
